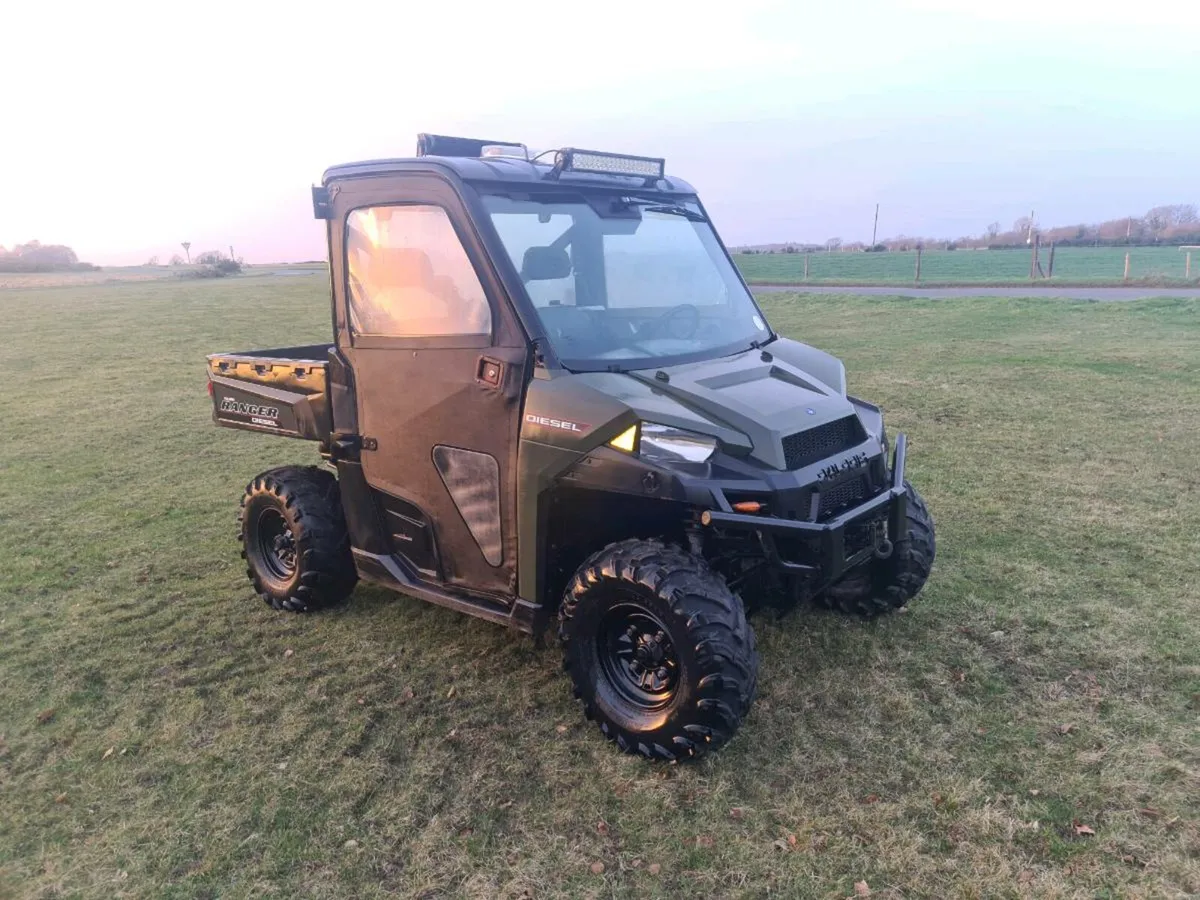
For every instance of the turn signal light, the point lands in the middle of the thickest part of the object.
(626, 440)
(749, 506)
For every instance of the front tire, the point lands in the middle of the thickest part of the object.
(658, 649)
(294, 539)
(888, 585)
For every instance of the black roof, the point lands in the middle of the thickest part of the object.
(500, 169)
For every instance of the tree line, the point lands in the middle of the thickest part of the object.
(35, 256)
(38, 257)
(1170, 225)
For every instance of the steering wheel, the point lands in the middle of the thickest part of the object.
(680, 322)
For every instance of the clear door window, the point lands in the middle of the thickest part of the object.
(410, 276)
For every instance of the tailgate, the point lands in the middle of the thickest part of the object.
(278, 391)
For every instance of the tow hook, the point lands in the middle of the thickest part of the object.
(883, 549)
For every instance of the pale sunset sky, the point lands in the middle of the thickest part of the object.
(129, 127)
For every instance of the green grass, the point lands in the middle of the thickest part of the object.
(1072, 265)
(1048, 677)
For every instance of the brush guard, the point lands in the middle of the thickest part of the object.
(831, 560)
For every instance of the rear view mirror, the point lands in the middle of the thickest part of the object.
(545, 264)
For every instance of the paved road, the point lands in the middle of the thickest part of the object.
(1097, 293)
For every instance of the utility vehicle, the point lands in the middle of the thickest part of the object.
(550, 397)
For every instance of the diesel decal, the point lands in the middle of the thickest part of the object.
(857, 461)
(560, 424)
(258, 413)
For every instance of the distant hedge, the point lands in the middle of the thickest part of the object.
(11, 264)
(38, 257)
(213, 266)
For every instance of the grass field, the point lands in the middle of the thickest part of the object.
(1072, 265)
(1028, 728)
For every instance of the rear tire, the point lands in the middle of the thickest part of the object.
(294, 539)
(887, 585)
(658, 649)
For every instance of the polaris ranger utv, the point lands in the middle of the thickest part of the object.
(551, 397)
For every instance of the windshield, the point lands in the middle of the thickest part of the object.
(626, 281)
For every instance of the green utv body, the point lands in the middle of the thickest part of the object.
(551, 398)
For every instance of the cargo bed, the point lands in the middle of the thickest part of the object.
(280, 391)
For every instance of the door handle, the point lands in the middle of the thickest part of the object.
(489, 371)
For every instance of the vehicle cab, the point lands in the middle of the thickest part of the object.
(465, 281)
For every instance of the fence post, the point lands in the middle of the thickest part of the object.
(1050, 268)
(1126, 265)
(1187, 267)
(1032, 260)
(918, 275)
(807, 256)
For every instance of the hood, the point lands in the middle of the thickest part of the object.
(749, 401)
(756, 394)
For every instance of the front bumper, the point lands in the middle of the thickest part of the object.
(830, 559)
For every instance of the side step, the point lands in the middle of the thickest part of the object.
(390, 572)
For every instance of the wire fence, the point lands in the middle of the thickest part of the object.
(1057, 264)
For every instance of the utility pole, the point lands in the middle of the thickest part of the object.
(1029, 235)
(875, 229)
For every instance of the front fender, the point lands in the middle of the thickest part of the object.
(825, 367)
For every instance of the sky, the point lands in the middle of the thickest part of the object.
(129, 127)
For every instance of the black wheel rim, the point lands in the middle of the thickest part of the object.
(638, 657)
(276, 544)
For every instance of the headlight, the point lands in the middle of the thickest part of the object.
(664, 444)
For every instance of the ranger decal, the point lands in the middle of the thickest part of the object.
(261, 415)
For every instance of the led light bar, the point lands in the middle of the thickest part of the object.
(594, 161)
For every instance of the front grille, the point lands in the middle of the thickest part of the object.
(843, 495)
(807, 447)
